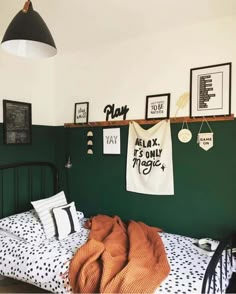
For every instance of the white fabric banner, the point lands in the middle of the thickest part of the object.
(149, 168)
(205, 140)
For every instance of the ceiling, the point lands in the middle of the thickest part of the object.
(83, 24)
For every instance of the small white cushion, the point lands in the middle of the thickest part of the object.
(67, 221)
(44, 208)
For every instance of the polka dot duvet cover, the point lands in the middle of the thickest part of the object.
(45, 264)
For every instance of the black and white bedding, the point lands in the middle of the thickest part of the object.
(44, 262)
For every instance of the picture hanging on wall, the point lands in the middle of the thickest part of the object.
(111, 141)
(17, 122)
(210, 90)
(157, 106)
(81, 113)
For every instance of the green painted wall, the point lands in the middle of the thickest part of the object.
(204, 203)
(41, 149)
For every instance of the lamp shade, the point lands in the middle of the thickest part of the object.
(28, 36)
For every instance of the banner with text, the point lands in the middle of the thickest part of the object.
(149, 168)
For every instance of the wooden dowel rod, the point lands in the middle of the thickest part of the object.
(147, 122)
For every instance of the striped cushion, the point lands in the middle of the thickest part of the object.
(44, 208)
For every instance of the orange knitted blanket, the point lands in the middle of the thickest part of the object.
(119, 258)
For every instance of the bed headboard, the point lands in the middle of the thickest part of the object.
(23, 182)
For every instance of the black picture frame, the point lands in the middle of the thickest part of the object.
(210, 90)
(81, 113)
(157, 106)
(17, 122)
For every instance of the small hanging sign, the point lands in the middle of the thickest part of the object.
(205, 140)
(185, 134)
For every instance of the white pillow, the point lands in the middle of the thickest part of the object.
(66, 220)
(44, 208)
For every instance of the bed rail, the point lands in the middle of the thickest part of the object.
(218, 266)
(23, 182)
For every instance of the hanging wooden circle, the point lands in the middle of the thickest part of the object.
(184, 135)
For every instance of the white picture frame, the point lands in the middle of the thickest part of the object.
(111, 141)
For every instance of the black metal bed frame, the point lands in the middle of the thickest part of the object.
(220, 259)
(16, 175)
(222, 256)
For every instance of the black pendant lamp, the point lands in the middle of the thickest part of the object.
(28, 35)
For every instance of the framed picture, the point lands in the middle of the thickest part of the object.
(210, 90)
(157, 106)
(111, 141)
(81, 113)
(17, 122)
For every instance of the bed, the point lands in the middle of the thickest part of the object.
(26, 255)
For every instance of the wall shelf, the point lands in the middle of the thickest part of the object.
(147, 122)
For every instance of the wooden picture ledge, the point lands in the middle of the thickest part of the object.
(147, 122)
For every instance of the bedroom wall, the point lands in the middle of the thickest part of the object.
(41, 149)
(124, 73)
(29, 81)
(204, 200)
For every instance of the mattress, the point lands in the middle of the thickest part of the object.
(45, 264)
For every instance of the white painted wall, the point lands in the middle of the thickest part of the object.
(29, 81)
(121, 73)
(124, 73)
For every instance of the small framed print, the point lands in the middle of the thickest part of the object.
(17, 122)
(111, 141)
(157, 106)
(210, 90)
(81, 113)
